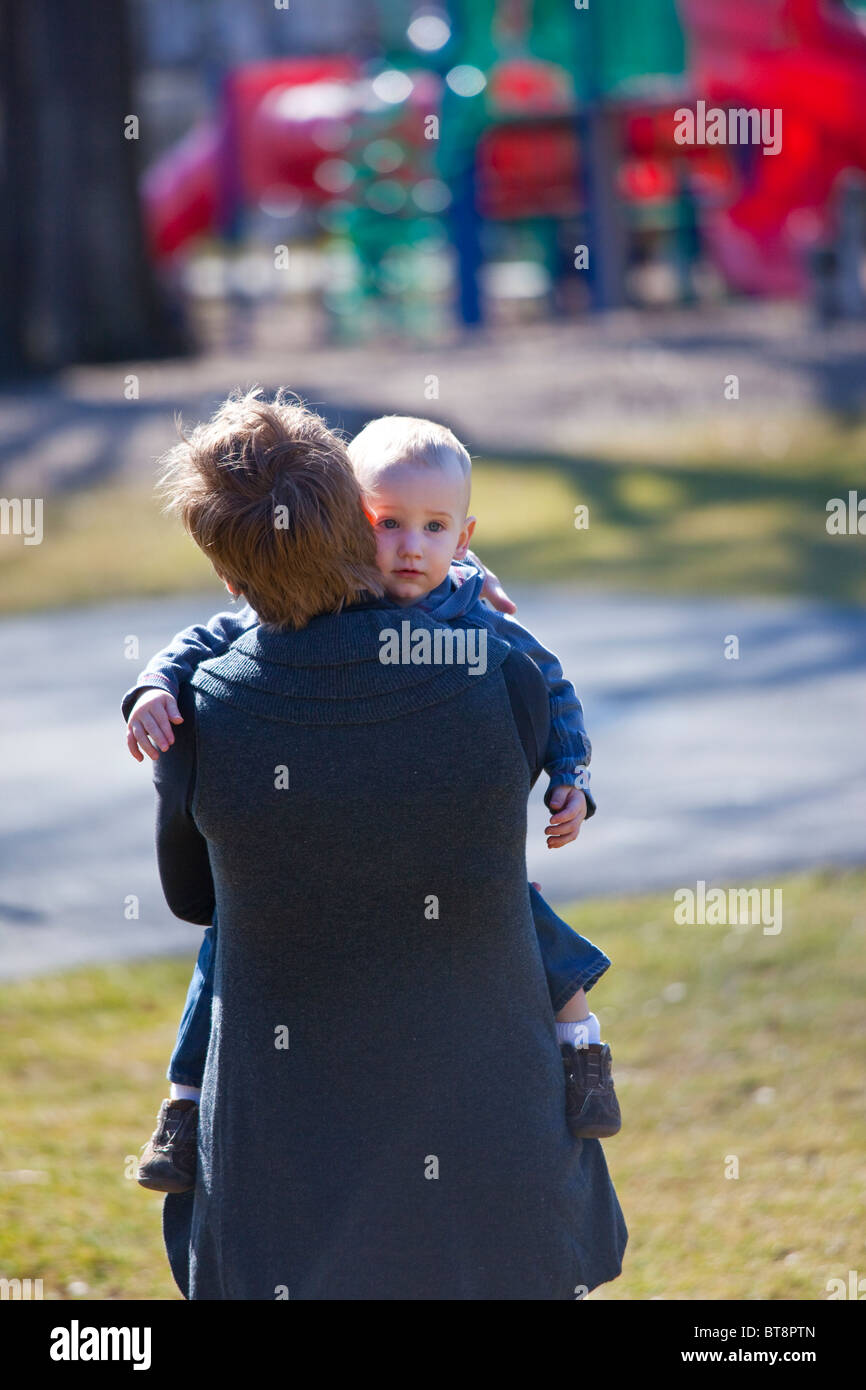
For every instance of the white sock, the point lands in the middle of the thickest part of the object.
(581, 1032)
(179, 1092)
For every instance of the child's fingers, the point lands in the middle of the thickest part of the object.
(574, 807)
(142, 736)
(564, 832)
(163, 722)
(567, 816)
(157, 730)
(567, 801)
(493, 590)
(146, 746)
(497, 595)
(557, 841)
(133, 746)
(170, 709)
(502, 602)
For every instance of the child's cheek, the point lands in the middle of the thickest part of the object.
(382, 548)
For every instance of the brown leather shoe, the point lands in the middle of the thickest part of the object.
(168, 1159)
(591, 1106)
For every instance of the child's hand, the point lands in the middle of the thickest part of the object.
(150, 724)
(568, 805)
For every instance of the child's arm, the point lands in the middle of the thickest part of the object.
(150, 707)
(569, 750)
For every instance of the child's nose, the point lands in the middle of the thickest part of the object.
(411, 543)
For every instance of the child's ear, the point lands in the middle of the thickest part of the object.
(465, 538)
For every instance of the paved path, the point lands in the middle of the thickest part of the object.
(729, 771)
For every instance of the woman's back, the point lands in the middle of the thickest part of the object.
(382, 1110)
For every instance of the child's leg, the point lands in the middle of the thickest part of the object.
(572, 964)
(575, 1024)
(186, 1067)
(575, 1010)
(168, 1161)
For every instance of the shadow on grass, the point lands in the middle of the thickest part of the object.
(709, 527)
(720, 525)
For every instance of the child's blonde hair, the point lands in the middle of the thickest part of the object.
(268, 493)
(405, 439)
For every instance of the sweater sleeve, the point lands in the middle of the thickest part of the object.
(179, 661)
(181, 849)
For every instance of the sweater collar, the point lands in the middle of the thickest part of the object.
(337, 669)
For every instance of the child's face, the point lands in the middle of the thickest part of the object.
(419, 516)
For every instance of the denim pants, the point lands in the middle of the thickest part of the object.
(571, 962)
(186, 1067)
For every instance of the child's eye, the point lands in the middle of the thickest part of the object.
(437, 524)
(389, 522)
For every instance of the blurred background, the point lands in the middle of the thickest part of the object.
(476, 211)
(424, 167)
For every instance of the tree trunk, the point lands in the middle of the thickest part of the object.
(75, 282)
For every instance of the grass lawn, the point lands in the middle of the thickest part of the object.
(708, 515)
(728, 1045)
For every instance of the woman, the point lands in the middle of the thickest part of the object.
(373, 1125)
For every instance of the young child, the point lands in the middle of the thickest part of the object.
(415, 478)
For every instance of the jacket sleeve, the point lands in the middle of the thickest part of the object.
(571, 962)
(568, 750)
(179, 661)
(181, 849)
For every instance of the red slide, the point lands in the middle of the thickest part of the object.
(270, 136)
(808, 60)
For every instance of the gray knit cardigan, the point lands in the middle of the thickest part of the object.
(382, 1114)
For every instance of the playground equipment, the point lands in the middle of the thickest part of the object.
(343, 144)
(540, 143)
(275, 126)
(553, 126)
(806, 58)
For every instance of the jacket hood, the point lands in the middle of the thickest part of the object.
(465, 582)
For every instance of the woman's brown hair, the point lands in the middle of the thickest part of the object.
(267, 491)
